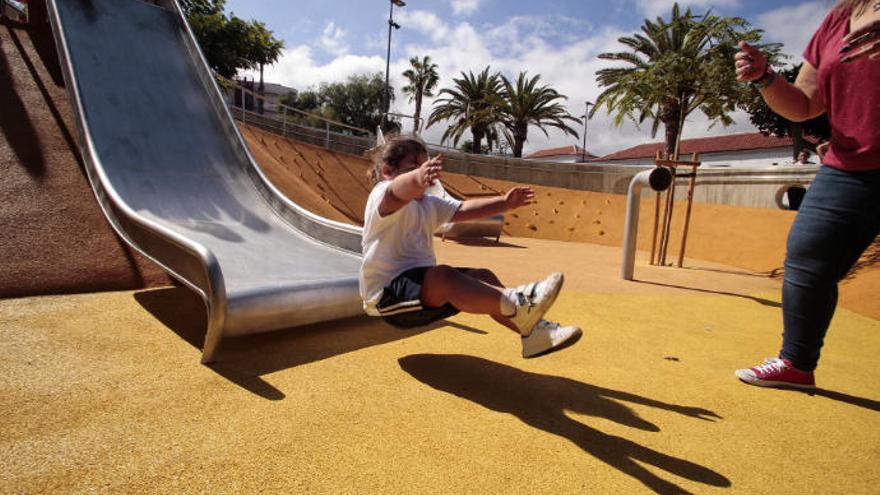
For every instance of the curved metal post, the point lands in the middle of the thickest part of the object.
(657, 179)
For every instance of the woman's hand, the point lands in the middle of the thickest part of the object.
(430, 171)
(864, 42)
(751, 63)
(519, 196)
(822, 149)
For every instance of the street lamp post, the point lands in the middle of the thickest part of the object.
(386, 101)
(586, 120)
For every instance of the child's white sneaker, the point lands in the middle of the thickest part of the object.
(548, 336)
(533, 300)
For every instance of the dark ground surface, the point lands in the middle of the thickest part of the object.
(55, 238)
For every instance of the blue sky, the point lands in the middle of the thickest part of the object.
(559, 39)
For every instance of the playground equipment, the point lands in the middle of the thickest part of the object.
(672, 166)
(658, 179)
(175, 180)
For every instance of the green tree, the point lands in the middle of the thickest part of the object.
(230, 43)
(423, 78)
(223, 41)
(357, 101)
(202, 7)
(307, 101)
(263, 49)
(526, 103)
(676, 67)
(471, 105)
(770, 122)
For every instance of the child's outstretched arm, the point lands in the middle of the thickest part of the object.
(410, 185)
(484, 207)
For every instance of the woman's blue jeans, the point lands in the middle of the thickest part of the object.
(838, 219)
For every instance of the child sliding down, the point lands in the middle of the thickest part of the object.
(400, 279)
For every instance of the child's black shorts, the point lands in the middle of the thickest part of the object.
(401, 303)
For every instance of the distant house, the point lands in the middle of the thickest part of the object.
(272, 93)
(565, 154)
(751, 150)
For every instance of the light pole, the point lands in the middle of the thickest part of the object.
(386, 101)
(586, 120)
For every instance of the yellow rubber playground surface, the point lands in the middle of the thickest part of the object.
(103, 393)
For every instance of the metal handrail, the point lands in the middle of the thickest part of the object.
(21, 7)
(19, 10)
(239, 87)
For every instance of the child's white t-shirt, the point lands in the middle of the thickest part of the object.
(397, 242)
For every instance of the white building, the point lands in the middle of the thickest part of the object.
(746, 150)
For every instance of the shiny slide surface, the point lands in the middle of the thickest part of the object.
(174, 178)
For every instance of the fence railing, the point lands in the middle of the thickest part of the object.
(319, 137)
(292, 122)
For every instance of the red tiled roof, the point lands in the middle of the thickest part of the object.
(565, 150)
(731, 142)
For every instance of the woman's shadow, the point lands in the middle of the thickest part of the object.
(541, 401)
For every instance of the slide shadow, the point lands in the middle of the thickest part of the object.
(244, 360)
(15, 121)
(482, 242)
(541, 401)
(40, 33)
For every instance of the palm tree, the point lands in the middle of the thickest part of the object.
(674, 68)
(423, 79)
(526, 104)
(471, 105)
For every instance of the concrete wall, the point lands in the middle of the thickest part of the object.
(750, 187)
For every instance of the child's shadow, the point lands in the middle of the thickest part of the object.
(541, 401)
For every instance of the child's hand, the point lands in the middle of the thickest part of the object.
(519, 196)
(430, 171)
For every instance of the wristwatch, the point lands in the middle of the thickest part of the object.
(766, 80)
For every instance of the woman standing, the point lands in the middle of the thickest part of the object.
(840, 215)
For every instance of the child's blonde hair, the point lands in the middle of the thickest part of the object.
(394, 151)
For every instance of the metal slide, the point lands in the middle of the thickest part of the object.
(176, 181)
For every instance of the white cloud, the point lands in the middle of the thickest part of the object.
(333, 40)
(793, 26)
(465, 7)
(297, 68)
(663, 8)
(424, 22)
